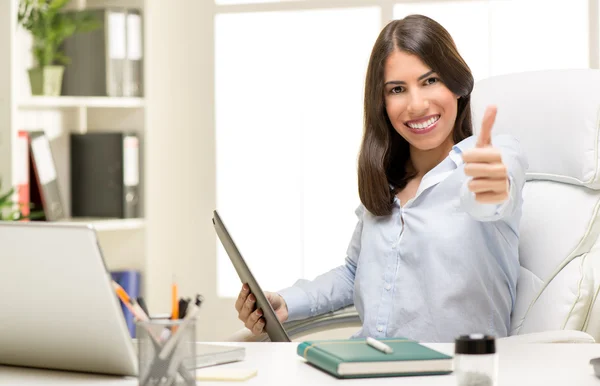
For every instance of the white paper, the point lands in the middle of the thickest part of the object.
(21, 171)
(43, 159)
(116, 35)
(134, 37)
(131, 175)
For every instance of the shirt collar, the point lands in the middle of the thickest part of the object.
(446, 167)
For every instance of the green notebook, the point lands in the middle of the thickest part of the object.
(354, 358)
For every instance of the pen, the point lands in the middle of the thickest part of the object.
(384, 348)
(131, 304)
(174, 301)
(142, 303)
(183, 304)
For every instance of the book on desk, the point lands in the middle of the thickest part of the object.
(354, 358)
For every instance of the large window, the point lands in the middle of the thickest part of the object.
(460, 18)
(289, 98)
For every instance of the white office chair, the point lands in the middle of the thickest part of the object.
(556, 116)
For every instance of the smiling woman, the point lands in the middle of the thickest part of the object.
(434, 253)
(421, 79)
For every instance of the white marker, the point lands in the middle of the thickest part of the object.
(384, 348)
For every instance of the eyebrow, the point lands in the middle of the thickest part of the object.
(402, 82)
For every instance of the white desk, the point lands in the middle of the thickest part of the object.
(278, 364)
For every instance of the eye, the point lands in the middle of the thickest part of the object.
(397, 90)
(432, 80)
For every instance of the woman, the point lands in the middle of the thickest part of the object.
(435, 252)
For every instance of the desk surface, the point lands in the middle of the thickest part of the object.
(278, 364)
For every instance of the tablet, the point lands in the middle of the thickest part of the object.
(273, 326)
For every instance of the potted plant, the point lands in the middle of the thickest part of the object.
(12, 211)
(49, 26)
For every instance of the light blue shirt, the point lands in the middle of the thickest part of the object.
(438, 267)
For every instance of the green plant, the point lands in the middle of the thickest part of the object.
(50, 26)
(12, 211)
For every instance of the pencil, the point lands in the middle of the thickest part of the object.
(131, 304)
(174, 302)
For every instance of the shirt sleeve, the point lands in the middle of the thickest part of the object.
(330, 291)
(516, 164)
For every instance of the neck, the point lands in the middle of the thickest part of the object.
(423, 161)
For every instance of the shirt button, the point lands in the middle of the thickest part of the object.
(388, 286)
(379, 328)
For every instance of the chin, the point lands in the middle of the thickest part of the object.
(427, 142)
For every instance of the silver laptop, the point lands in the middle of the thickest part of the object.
(58, 309)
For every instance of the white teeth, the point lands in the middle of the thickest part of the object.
(425, 124)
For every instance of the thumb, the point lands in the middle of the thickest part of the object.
(485, 135)
(272, 298)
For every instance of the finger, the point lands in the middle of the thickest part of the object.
(242, 297)
(485, 134)
(480, 185)
(486, 170)
(491, 197)
(253, 318)
(247, 308)
(258, 327)
(485, 154)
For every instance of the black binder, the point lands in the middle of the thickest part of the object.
(105, 175)
(107, 61)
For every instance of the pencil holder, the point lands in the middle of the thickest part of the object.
(167, 352)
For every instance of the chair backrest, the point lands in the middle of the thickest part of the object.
(555, 115)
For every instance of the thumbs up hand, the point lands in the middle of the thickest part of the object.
(484, 163)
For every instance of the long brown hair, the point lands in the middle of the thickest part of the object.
(384, 153)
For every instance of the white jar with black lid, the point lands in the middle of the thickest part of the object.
(476, 360)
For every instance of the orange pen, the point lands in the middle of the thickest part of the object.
(131, 304)
(174, 302)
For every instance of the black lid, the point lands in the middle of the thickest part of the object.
(475, 344)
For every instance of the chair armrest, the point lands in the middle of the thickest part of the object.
(558, 336)
(344, 317)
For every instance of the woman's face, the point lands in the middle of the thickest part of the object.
(420, 107)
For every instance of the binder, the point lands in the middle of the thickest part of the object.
(97, 57)
(105, 175)
(42, 178)
(130, 281)
(108, 60)
(21, 177)
(133, 74)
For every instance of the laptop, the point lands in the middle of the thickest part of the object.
(273, 326)
(58, 309)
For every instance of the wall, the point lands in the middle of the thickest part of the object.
(7, 26)
(180, 186)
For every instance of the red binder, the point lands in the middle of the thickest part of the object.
(41, 185)
(21, 177)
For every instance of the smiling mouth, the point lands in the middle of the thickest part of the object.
(423, 123)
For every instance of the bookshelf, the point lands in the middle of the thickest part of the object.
(37, 102)
(111, 224)
(123, 241)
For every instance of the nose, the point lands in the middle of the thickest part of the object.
(417, 106)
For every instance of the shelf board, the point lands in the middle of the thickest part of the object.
(110, 224)
(76, 102)
(90, 4)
